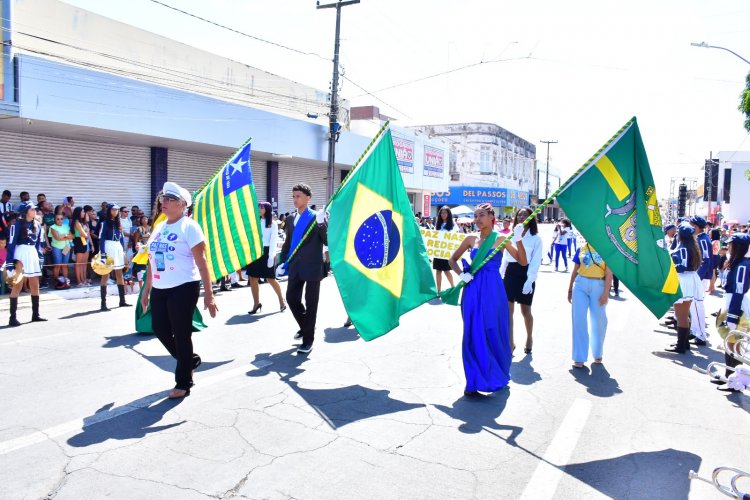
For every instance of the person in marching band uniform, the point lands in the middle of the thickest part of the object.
(25, 250)
(687, 259)
(706, 269)
(112, 245)
(736, 302)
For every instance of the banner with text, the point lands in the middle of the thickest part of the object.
(474, 195)
(404, 149)
(441, 244)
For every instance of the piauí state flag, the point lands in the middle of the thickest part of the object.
(613, 203)
(377, 253)
(227, 210)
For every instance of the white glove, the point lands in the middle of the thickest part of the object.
(321, 217)
(517, 232)
(271, 261)
(465, 277)
(527, 287)
(732, 326)
(281, 271)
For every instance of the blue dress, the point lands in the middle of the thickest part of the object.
(486, 344)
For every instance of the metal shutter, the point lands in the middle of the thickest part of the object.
(294, 173)
(90, 172)
(192, 170)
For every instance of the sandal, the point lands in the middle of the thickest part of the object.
(178, 393)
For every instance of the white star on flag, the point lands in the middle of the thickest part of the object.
(237, 166)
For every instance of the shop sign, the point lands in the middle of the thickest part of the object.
(434, 162)
(404, 150)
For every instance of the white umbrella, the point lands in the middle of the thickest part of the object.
(462, 210)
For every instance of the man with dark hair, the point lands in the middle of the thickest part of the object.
(41, 198)
(302, 258)
(102, 214)
(24, 196)
(5, 204)
(135, 213)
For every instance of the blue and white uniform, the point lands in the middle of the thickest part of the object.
(704, 244)
(735, 297)
(27, 249)
(112, 243)
(692, 289)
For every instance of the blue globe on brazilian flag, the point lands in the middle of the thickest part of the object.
(377, 254)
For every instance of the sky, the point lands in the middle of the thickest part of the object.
(572, 71)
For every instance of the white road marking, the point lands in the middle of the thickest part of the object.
(544, 481)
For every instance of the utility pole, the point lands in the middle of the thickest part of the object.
(546, 182)
(333, 124)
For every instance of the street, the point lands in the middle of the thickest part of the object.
(85, 414)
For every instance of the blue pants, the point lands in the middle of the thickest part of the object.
(561, 249)
(586, 294)
(572, 245)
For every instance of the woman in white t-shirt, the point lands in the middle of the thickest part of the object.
(177, 265)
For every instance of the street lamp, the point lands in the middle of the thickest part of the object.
(707, 46)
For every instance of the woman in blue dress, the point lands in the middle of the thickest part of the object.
(486, 342)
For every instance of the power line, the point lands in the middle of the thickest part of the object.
(275, 44)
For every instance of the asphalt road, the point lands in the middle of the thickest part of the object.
(84, 413)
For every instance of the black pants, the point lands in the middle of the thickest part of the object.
(307, 314)
(616, 284)
(172, 320)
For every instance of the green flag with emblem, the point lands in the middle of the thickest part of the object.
(612, 202)
(377, 254)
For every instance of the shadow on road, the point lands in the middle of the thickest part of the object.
(337, 406)
(337, 335)
(481, 413)
(246, 319)
(653, 474)
(523, 373)
(84, 313)
(133, 420)
(597, 380)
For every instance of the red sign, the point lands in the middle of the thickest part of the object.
(426, 204)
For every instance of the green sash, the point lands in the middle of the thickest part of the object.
(452, 295)
(143, 319)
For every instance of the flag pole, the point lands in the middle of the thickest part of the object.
(546, 202)
(343, 182)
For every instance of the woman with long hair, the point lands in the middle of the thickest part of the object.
(441, 266)
(736, 302)
(111, 245)
(486, 340)
(687, 259)
(265, 266)
(520, 280)
(81, 244)
(25, 250)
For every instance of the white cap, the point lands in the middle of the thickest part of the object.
(177, 191)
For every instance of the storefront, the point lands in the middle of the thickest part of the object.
(504, 200)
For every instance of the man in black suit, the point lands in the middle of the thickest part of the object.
(303, 258)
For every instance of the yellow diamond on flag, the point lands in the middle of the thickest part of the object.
(374, 239)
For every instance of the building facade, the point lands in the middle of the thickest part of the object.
(486, 158)
(100, 110)
(724, 194)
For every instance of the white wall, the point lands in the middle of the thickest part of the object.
(739, 206)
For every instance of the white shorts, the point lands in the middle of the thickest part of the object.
(114, 250)
(691, 286)
(29, 257)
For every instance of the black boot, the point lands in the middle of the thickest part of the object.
(35, 309)
(103, 293)
(13, 307)
(121, 292)
(682, 341)
(731, 363)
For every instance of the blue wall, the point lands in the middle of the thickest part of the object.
(65, 94)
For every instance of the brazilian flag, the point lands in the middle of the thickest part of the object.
(377, 253)
(612, 201)
(227, 211)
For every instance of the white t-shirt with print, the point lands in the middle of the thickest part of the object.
(170, 253)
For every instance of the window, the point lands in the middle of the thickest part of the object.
(485, 162)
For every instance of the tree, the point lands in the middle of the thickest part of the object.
(744, 106)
